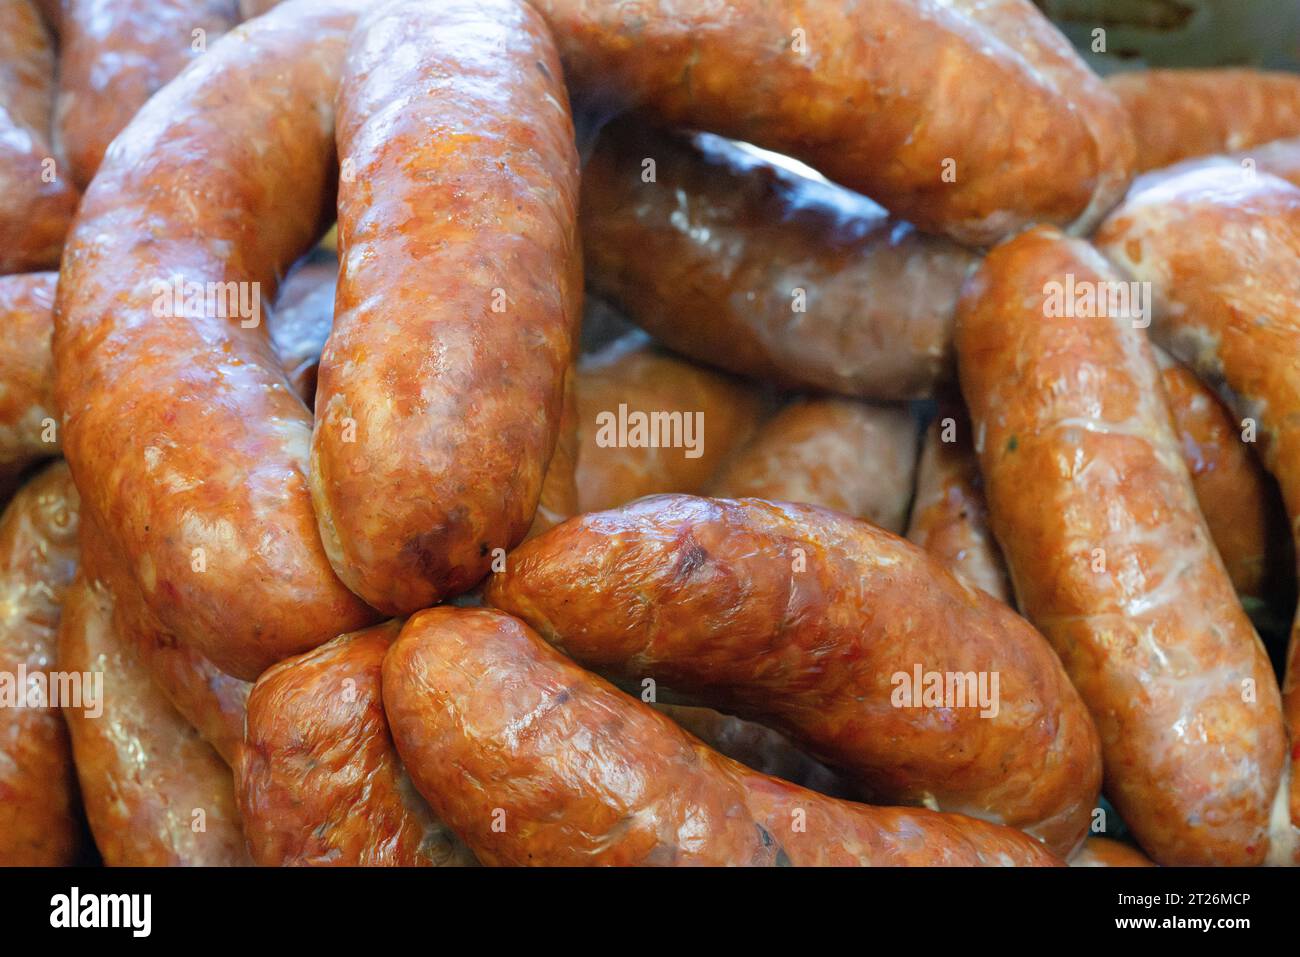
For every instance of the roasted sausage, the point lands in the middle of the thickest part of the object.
(602, 779)
(39, 823)
(766, 273)
(115, 55)
(188, 444)
(649, 423)
(891, 98)
(1109, 555)
(949, 517)
(319, 782)
(460, 294)
(1107, 852)
(37, 198)
(856, 458)
(28, 428)
(829, 630)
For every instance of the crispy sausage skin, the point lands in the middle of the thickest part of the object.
(319, 781)
(1109, 555)
(1177, 114)
(37, 199)
(27, 417)
(460, 294)
(766, 273)
(188, 445)
(816, 624)
(882, 97)
(629, 379)
(38, 559)
(1222, 252)
(949, 517)
(602, 779)
(849, 456)
(115, 55)
(1107, 852)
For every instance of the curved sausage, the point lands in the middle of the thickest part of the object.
(1222, 253)
(601, 779)
(766, 273)
(949, 515)
(1107, 852)
(650, 423)
(188, 444)
(115, 55)
(882, 97)
(852, 457)
(300, 323)
(829, 630)
(39, 820)
(38, 199)
(460, 294)
(28, 428)
(319, 782)
(1095, 511)
(1177, 114)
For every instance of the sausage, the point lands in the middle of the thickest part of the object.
(1107, 852)
(187, 442)
(1109, 555)
(115, 56)
(949, 517)
(855, 458)
(319, 782)
(1239, 500)
(155, 794)
(1222, 253)
(766, 273)
(1279, 158)
(300, 323)
(38, 199)
(882, 97)
(699, 419)
(442, 383)
(39, 820)
(818, 625)
(1177, 114)
(601, 779)
(28, 428)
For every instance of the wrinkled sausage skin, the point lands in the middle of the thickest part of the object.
(805, 619)
(602, 779)
(1109, 554)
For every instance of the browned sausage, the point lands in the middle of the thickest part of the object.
(319, 782)
(28, 429)
(764, 272)
(856, 458)
(188, 445)
(883, 97)
(599, 778)
(821, 626)
(1107, 852)
(39, 823)
(1095, 511)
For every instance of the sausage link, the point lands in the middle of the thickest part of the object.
(441, 387)
(854, 91)
(39, 823)
(1095, 511)
(766, 273)
(1222, 253)
(1106, 852)
(817, 625)
(1279, 158)
(188, 444)
(115, 55)
(855, 458)
(26, 371)
(37, 202)
(627, 380)
(949, 515)
(319, 782)
(601, 779)
(1177, 114)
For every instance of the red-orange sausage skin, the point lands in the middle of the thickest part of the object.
(602, 779)
(757, 608)
(1095, 511)
(1107, 852)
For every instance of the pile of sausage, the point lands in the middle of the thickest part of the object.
(431, 562)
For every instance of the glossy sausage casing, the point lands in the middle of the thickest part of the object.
(534, 761)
